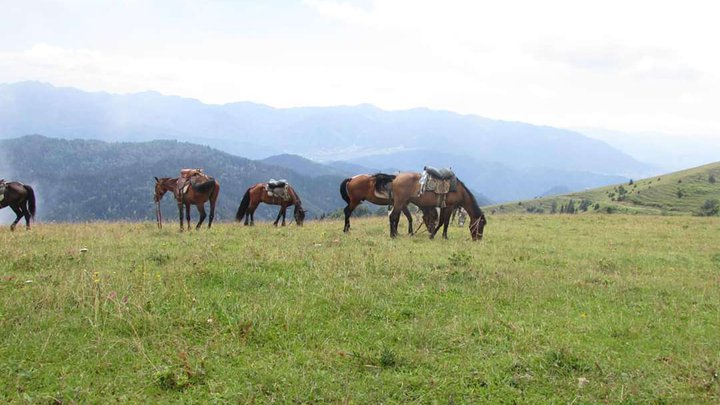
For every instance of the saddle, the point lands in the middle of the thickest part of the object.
(442, 173)
(189, 177)
(278, 189)
(440, 181)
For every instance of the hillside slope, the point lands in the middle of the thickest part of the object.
(677, 193)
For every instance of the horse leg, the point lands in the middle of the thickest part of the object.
(277, 219)
(212, 211)
(187, 214)
(348, 211)
(26, 214)
(446, 223)
(395, 218)
(408, 215)
(251, 214)
(201, 210)
(180, 210)
(436, 228)
(284, 212)
(19, 214)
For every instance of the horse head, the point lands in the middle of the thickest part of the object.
(477, 226)
(299, 214)
(162, 186)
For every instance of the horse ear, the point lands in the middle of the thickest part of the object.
(156, 179)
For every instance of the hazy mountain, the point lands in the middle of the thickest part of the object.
(324, 133)
(83, 180)
(303, 166)
(669, 152)
(495, 181)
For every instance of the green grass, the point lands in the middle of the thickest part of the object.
(678, 193)
(581, 309)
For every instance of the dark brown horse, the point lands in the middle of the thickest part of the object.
(406, 188)
(258, 193)
(20, 198)
(377, 189)
(197, 194)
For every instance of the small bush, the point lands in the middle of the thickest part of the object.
(712, 179)
(710, 208)
(388, 359)
(460, 259)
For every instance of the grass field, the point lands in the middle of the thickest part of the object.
(573, 309)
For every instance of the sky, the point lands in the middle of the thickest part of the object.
(650, 66)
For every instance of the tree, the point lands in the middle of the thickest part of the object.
(710, 208)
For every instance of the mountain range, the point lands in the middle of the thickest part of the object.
(503, 160)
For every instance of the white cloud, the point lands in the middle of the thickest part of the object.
(615, 64)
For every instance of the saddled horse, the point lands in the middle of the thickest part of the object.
(198, 192)
(377, 189)
(258, 193)
(20, 198)
(406, 189)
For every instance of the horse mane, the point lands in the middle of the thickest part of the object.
(473, 202)
(296, 198)
(381, 179)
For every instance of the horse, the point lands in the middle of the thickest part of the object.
(197, 194)
(258, 193)
(20, 198)
(406, 189)
(376, 188)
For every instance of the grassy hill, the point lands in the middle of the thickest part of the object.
(677, 193)
(625, 311)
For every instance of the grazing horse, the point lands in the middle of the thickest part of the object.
(258, 193)
(197, 194)
(20, 198)
(376, 189)
(406, 189)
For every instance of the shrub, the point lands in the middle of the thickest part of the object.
(710, 208)
(711, 179)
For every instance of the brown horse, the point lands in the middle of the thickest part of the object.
(197, 194)
(406, 189)
(376, 188)
(257, 194)
(20, 198)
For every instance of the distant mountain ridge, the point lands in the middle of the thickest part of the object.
(330, 133)
(525, 160)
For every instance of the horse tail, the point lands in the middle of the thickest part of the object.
(30, 199)
(244, 204)
(344, 191)
(381, 179)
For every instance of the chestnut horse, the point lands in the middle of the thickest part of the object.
(21, 199)
(257, 194)
(406, 189)
(197, 194)
(374, 188)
